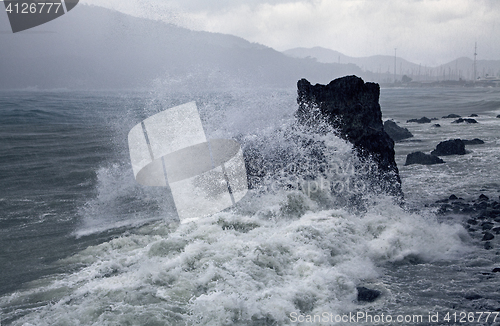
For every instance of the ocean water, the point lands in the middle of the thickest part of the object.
(81, 243)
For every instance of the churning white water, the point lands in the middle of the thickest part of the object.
(279, 254)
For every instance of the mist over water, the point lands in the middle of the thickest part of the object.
(120, 256)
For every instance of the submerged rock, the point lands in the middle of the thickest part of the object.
(450, 147)
(473, 115)
(465, 120)
(487, 226)
(367, 295)
(437, 125)
(396, 132)
(475, 141)
(483, 197)
(421, 120)
(488, 236)
(451, 116)
(472, 296)
(352, 107)
(422, 158)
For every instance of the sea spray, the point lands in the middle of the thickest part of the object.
(234, 268)
(279, 252)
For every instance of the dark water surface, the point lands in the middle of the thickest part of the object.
(77, 232)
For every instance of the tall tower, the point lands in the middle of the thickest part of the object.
(475, 55)
(395, 65)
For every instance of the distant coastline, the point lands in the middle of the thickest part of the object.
(445, 83)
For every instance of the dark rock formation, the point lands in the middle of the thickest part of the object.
(483, 214)
(352, 107)
(422, 158)
(487, 236)
(475, 141)
(487, 226)
(483, 197)
(421, 120)
(450, 147)
(473, 115)
(396, 132)
(367, 295)
(498, 116)
(437, 125)
(465, 120)
(451, 116)
(472, 296)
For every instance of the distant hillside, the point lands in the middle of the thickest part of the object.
(382, 66)
(93, 48)
(379, 64)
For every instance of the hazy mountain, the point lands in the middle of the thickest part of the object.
(383, 66)
(93, 47)
(376, 63)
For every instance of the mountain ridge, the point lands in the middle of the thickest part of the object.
(383, 64)
(97, 48)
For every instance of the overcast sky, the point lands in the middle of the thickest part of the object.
(430, 32)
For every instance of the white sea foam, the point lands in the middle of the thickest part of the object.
(278, 251)
(237, 267)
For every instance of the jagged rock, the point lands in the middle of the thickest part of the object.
(453, 197)
(475, 141)
(487, 226)
(472, 296)
(483, 197)
(396, 132)
(473, 115)
(481, 205)
(451, 116)
(421, 120)
(488, 236)
(352, 107)
(465, 120)
(367, 295)
(422, 158)
(437, 125)
(450, 147)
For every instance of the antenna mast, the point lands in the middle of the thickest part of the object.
(475, 55)
(395, 65)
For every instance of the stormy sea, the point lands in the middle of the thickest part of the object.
(82, 243)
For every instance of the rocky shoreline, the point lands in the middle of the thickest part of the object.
(481, 216)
